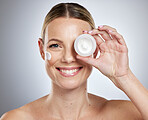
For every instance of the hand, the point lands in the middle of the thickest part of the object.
(113, 59)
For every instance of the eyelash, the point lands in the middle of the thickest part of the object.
(54, 46)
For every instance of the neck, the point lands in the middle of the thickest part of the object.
(68, 104)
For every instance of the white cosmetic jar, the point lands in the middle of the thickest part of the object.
(85, 45)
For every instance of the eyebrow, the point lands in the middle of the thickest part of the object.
(53, 39)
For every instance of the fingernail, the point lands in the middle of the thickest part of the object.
(101, 26)
(90, 31)
(84, 31)
(78, 56)
(110, 31)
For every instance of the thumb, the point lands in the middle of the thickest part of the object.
(88, 59)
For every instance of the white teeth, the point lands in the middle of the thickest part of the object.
(69, 71)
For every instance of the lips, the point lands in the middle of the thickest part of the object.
(69, 71)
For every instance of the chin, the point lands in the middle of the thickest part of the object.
(71, 84)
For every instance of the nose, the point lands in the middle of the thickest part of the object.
(69, 55)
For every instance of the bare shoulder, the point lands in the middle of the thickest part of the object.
(26, 112)
(115, 109)
(16, 114)
(97, 102)
(123, 109)
(96, 99)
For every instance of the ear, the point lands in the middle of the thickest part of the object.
(41, 48)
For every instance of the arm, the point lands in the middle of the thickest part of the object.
(113, 62)
(136, 92)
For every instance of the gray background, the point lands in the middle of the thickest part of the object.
(22, 73)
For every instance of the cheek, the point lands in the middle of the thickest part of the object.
(88, 71)
(50, 65)
(54, 58)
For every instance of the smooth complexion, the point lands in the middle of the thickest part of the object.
(64, 68)
(68, 74)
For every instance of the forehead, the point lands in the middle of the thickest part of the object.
(62, 28)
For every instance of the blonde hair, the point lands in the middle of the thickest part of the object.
(70, 10)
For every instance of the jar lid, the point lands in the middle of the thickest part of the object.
(85, 45)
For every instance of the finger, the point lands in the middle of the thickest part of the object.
(101, 44)
(106, 28)
(103, 34)
(96, 52)
(98, 39)
(85, 32)
(118, 37)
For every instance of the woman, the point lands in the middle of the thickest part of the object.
(68, 71)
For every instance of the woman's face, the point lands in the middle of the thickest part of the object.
(64, 68)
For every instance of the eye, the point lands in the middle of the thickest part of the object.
(54, 46)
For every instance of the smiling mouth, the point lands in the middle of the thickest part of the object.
(69, 71)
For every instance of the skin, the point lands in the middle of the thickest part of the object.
(69, 99)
